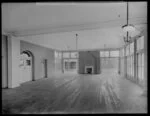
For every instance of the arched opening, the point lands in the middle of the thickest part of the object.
(27, 66)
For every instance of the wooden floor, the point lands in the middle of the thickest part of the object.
(72, 93)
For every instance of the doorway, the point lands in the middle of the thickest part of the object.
(26, 66)
(44, 68)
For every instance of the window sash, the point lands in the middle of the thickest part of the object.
(104, 53)
(74, 54)
(132, 48)
(114, 53)
(140, 43)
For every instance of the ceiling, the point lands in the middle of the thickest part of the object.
(31, 19)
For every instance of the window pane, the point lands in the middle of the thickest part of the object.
(74, 55)
(21, 62)
(102, 54)
(72, 65)
(66, 55)
(127, 50)
(133, 70)
(142, 72)
(131, 65)
(59, 54)
(132, 48)
(139, 73)
(123, 52)
(114, 53)
(120, 54)
(56, 54)
(139, 59)
(66, 65)
(142, 59)
(137, 44)
(127, 65)
(106, 53)
(28, 62)
(142, 42)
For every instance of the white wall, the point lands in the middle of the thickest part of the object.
(87, 39)
(40, 53)
(4, 62)
(13, 62)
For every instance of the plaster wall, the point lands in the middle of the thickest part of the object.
(4, 62)
(40, 53)
(13, 62)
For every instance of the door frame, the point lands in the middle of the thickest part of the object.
(45, 68)
(29, 53)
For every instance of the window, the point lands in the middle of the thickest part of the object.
(66, 65)
(140, 43)
(128, 66)
(56, 54)
(104, 53)
(28, 62)
(140, 65)
(127, 50)
(21, 62)
(132, 66)
(74, 54)
(140, 58)
(122, 53)
(130, 59)
(132, 48)
(60, 55)
(66, 55)
(114, 53)
(72, 65)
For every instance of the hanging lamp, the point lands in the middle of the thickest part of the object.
(128, 28)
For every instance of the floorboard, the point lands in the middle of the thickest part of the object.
(104, 93)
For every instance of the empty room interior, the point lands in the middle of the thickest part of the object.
(74, 57)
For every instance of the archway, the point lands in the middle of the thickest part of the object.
(27, 66)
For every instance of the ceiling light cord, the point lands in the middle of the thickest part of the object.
(127, 38)
(76, 42)
(127, 22)
(127, 14)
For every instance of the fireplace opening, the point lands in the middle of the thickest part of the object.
(89, 70)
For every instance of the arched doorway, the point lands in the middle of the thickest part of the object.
(27, 66)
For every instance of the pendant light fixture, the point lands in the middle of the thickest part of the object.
(128, 28)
